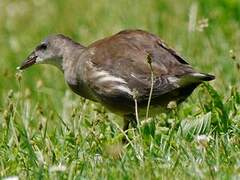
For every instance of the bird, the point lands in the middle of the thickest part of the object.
(132, 68)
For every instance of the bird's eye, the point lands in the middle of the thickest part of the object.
(42, 46)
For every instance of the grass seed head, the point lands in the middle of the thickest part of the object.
(10, 94)
(202, 141)
(39, 84)
(19, 76)
(114, 150)
(135, 93)
(172, 105)
(202, 24)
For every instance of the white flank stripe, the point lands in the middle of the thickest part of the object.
(173, 79)
(133, 76)
(123, 88)
(112, 79)
(100, 74)
(104, 77)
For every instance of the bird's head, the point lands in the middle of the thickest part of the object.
(49, 51)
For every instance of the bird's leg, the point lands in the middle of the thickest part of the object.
(133, 120)
(128, 118)
(126, 123)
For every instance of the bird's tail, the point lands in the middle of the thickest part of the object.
(203, 76)
(195, 78)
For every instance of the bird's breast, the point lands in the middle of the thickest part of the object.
(81, 89)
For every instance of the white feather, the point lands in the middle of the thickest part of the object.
(198, 75)
(111, 79)
(99, 74)
(122, 88)
(173, 79)
(104, 76)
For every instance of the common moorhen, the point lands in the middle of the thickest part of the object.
(132, 67)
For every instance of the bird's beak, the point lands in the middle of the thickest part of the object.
(28, 62)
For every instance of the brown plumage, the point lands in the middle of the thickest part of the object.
(113, 70)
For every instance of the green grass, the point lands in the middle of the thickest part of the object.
(43, 125)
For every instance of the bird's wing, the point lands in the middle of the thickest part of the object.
(122, 63)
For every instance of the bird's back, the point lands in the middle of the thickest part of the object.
(127, 62)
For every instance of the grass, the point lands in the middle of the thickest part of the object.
(47, 132)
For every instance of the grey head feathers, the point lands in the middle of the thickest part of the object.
(52, 51)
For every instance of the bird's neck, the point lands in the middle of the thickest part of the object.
(71, 66)
(70, 59)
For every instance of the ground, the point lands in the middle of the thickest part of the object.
(48, 132)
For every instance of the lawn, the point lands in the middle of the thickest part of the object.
(47, 132)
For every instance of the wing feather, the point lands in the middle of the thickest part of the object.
(124, 57)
